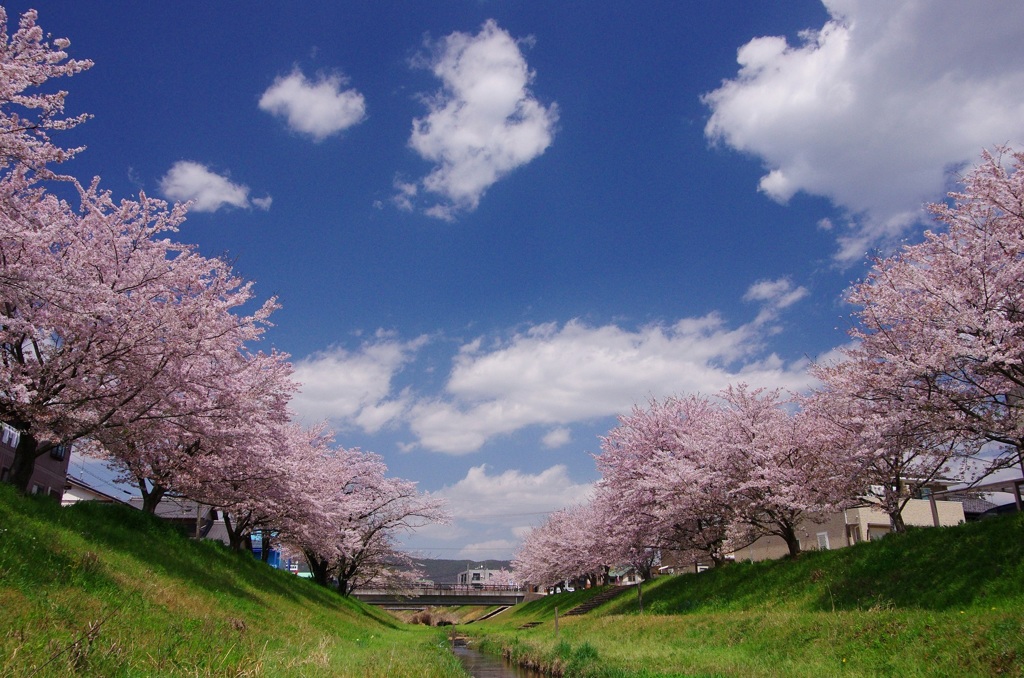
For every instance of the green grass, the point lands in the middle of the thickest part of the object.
(99, 590)
(933, 602)
(108, 591)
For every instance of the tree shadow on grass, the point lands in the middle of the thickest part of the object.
(205, 565)
(926, 568)
(933, 568)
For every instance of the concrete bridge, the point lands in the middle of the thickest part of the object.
(440, 595)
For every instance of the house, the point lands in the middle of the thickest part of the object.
(625, 576)
(989, 493)
(477, 577)
(863, 522)
(76, 490)
(191, 517)
(50, 469)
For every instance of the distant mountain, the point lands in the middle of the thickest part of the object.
(446, 571)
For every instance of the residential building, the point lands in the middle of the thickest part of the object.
(191, 517)
(477, 577)
(50, 469)
(76, 490)
(864, 522)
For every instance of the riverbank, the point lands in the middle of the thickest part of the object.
(933, 602)
(108, 591)
(101, 590)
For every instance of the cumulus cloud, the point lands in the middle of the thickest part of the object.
(497, 509)
(557, 437)
(774, 295)
(483, 124)
(208, 191)
(355, 388)
(263, 203)
(318, 108)
(512, 497)
(874, 109)
(553, 375)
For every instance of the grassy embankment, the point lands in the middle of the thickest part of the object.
(933, 602)
(107, 591)
(99, 590)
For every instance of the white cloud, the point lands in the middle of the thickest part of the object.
(354, 388)
(497, 549)
(208, 191)
(774, 296)
(778, 293)
(496, 510)
(557, 437)
(483, 124)
(512, 498)
(263, 203)
(874, 109)
(317, 109)
(552, 375)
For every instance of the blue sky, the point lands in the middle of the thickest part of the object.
(495, 225)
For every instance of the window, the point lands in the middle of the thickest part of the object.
(9, 435)
(59, 452)
(876, 532)
(823, 541)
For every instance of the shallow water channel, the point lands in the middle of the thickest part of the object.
(481, 665)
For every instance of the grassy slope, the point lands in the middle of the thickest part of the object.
(935, 602)
(105, 590)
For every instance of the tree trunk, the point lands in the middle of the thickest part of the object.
(896, 520)
(151, 498)
(788, 533)
(319, 569)
(235, 537)
(24, 462)
(639, 597)
(265, 546)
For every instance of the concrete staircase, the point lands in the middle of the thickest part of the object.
(598, 600)
(489, 614)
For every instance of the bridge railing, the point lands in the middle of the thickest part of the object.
(446, 590)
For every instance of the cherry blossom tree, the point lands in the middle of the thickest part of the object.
(212, 440)
(940, 322)
(893, 443)
(263, 485)
(659, 470)
(391, 508)
(28, 114)
(780, 474)
(568, 545)
(353, 518)
(104, 322)
(110, 319)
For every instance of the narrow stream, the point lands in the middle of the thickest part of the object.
(481, 665)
